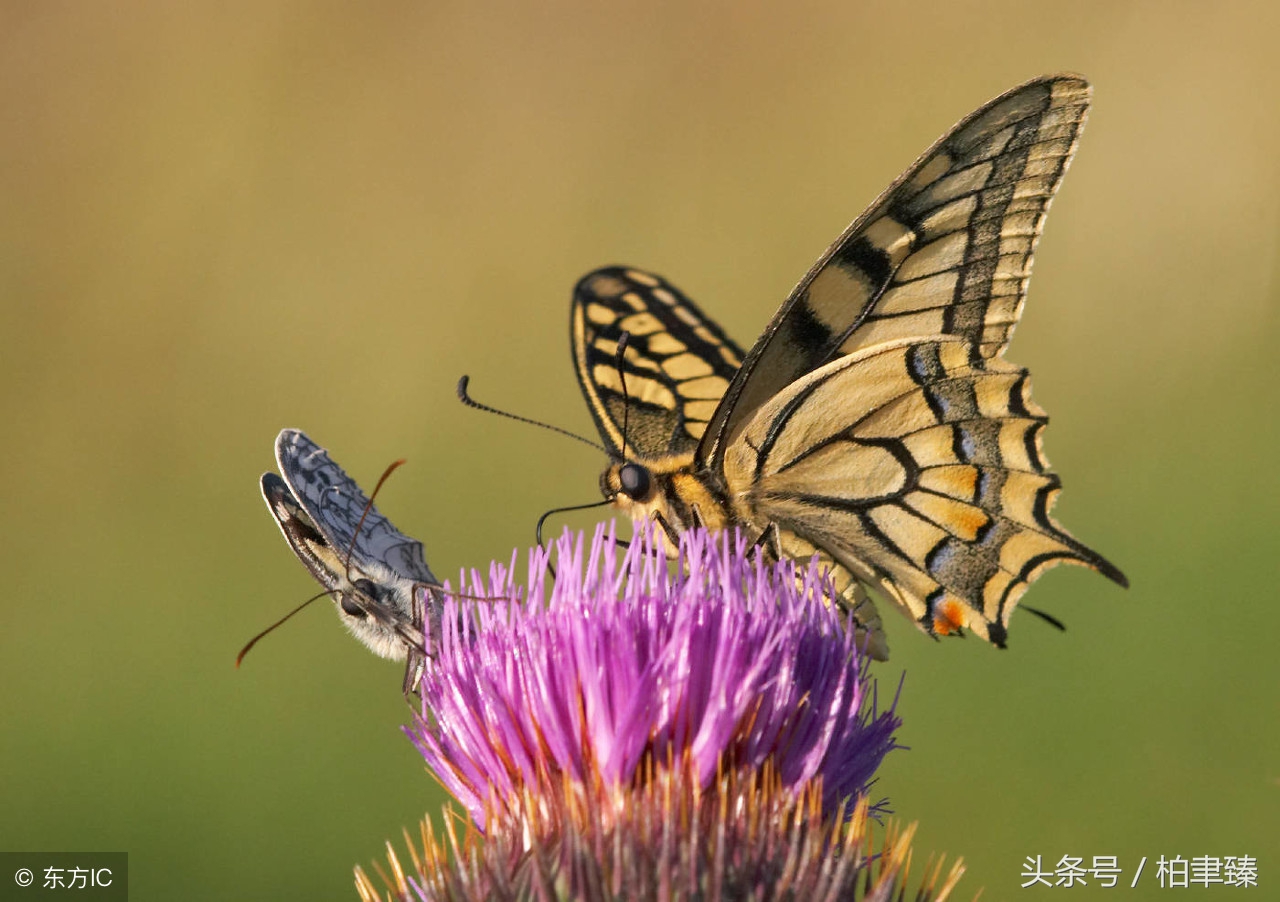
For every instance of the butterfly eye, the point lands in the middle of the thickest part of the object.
(351, 608)
(634, 480)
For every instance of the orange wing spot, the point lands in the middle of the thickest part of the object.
(948, 618)
(969, 521)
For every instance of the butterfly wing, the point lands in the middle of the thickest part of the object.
(920, 469)
(945, 250)
(322, 559)
(342, 513)
(677, 363)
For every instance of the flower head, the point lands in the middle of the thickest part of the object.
(727, 665)
(638, 729)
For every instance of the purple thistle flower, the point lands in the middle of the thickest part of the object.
(649, 732)
(730, 663)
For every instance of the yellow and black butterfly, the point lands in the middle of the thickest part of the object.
(875, 422)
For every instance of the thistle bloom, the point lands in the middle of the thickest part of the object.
(643, 732)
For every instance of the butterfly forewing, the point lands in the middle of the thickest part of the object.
(342, 511)
(946, 250)
(677, 363)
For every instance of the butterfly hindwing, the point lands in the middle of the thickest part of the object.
(945, 250)
(320, 557)
(677, 363)
(921, 471)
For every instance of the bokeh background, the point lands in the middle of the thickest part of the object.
(218, 221)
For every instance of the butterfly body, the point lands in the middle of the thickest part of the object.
(378, 578)
(875, 422)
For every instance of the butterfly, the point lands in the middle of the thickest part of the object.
(875, 423)
(378, 577)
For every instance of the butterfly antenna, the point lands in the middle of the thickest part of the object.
(1047, 618)
(563, 510)
(368, 506)
(619, 356)
(395, 465)
(473, 403)
(254, 641)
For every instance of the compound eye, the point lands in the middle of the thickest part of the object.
(352, 609)
(634, 480)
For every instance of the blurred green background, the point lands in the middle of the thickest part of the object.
(217, 222)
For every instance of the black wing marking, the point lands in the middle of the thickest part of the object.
(677, 365)
(920, 470)
(335, 504)
(945, 250)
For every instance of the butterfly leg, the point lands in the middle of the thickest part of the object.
(673, 537)
(415, 659)
(412, 675)
(770, 540)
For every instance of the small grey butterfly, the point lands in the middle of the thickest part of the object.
(378, 578)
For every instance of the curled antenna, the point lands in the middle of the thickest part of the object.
(564, 510)
(472, 402)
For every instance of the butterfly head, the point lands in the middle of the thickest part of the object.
(642, 490)
(379, 611)
(629, 487)
(665, 489)
(630, 480)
